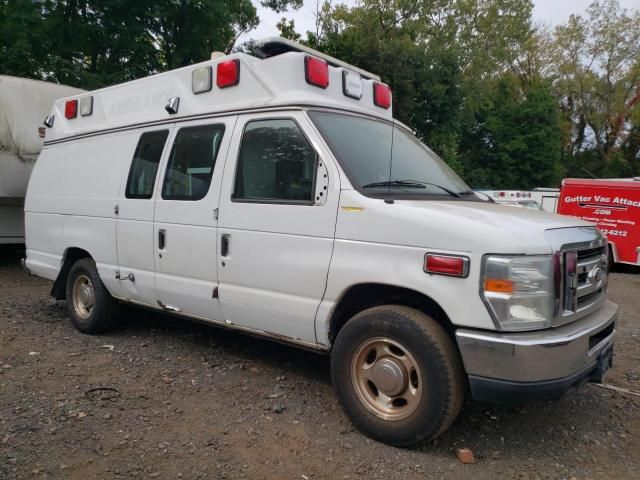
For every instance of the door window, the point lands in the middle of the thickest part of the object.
(276, 164)
(191, 162)
(142, 175)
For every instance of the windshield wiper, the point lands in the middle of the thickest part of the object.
(395, 183)
(411, 184)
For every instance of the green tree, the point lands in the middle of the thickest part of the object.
(287, 29)
(280, 6)
(98, 42)
(93, 43)
(188, 31)
(595, 68)
(514, 140)
(22, 51)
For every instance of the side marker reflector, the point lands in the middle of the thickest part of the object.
(451, 265)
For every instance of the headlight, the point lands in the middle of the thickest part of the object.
(519, 291)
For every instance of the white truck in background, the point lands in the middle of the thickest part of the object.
(23, 105)
(539, 198)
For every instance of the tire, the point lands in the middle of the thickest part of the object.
(89, 305)
(384, 349)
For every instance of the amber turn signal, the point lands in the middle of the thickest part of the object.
(498, 286)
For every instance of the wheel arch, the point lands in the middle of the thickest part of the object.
(70, 256)
(361, 296)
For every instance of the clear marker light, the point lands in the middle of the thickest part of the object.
(201, 80)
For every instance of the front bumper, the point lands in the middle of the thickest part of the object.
(541, 365)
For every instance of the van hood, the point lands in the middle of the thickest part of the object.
(463, 226)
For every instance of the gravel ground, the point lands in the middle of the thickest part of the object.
(166, 398)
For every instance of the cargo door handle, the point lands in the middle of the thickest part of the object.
(224, 245)
(162, 239)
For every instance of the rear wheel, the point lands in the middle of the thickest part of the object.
(89, 304)
(397, 375)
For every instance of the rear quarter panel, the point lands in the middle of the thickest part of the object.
(70, 202)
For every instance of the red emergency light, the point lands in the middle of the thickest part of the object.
(381, 95)
(316, 72)
(71, 109)
(228, 73)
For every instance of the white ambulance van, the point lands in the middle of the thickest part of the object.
(275, 194)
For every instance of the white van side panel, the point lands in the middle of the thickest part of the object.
(71, 203)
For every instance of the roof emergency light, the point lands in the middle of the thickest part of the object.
(316, 71)
(86, 106)
(201, 80)
(381, 95)
(351, 84)
(71, 109)
(228, 73)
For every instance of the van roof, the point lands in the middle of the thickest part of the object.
(278, 79)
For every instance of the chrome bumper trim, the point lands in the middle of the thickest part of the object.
(549, 354)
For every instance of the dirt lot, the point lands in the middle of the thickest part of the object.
(166, 398)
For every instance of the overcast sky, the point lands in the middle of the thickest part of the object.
(545, 11)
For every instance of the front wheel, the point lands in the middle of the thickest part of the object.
(397, 375)
(89, 304)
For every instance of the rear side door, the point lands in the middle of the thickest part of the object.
(185, 221)
(134, 225)
(277, 222)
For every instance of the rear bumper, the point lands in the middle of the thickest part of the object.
(541, 365)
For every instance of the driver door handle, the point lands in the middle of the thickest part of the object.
(224, 244)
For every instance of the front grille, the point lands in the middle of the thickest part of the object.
(588, 298)
(584, 281)
(590, 252)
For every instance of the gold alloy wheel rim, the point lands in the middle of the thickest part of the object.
(83, 294)
(386, 378)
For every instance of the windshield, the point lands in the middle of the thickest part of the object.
(364, 148)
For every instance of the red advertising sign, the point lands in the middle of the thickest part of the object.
(613, 205)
